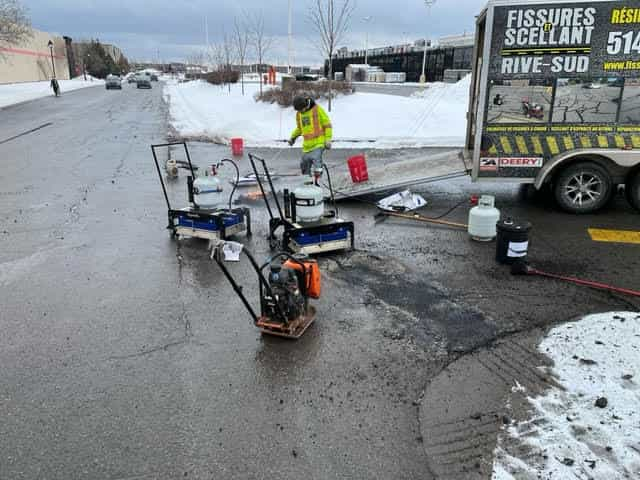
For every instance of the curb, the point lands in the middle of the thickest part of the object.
(466, 405)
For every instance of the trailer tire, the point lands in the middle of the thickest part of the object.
(583, 187)
(632, 190)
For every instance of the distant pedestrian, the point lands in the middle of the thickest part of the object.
(56, 87)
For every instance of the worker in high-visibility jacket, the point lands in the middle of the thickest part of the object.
(314, 125)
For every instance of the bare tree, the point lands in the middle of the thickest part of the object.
(260, 42)
(15, 25)
(330, 22)
(195, 59)
(227, 52)
(241, 42)
(215, 56)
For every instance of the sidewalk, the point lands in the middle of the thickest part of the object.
(13, 93)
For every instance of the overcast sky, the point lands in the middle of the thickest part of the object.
(171, 30)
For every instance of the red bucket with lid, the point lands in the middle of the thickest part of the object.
(237, 146)
(358, 168)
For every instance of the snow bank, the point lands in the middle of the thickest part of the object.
(568, 436)
(21, 92)
(198, 109)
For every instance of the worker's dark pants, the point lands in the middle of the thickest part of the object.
(311, 161)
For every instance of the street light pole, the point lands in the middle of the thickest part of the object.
(84, 63)
(53, 65)
(366, 20)
(423, 78)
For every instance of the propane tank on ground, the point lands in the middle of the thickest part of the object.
(207, 189)
(309, 203)
(483, 219)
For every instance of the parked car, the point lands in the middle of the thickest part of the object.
(131, 78)
(113, 81)
(154, 77)
(143, 81)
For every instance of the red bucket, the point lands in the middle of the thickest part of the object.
(358, 168)
(237, 146)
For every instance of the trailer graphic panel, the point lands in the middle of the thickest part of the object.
(558, 77)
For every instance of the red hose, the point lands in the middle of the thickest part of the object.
(588, 283)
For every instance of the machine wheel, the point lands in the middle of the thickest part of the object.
(632, 190)
(583, 188)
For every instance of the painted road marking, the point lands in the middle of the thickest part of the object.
(616, 236)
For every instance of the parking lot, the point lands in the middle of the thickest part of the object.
(127, 354)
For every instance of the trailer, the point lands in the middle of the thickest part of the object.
(555, 99)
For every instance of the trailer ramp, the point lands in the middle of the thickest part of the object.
(385, 174)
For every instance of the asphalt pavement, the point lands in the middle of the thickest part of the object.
(126, 354)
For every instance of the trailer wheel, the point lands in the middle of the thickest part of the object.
(583, 188)
(632, 190)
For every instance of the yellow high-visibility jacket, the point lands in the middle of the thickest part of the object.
(315, 126)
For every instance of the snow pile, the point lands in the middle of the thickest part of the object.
(590, 426)
(21, 92)
(200, 110)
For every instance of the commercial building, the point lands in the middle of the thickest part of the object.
(449, 53)
(30, 60)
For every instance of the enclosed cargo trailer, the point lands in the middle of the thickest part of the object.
(555, 98)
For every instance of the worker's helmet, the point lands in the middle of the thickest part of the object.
(301, 103)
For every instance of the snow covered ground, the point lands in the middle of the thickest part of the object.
(590, 427)
(437, 117)
(22, 92)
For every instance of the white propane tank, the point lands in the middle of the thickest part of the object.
(207, 190)
(483, 219)
(309, 203)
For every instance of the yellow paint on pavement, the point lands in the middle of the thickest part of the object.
(614, 236)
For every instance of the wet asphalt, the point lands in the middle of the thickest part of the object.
(126, 354)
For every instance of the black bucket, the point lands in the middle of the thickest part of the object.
(513, 240)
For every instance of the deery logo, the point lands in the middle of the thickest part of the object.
(520, 162)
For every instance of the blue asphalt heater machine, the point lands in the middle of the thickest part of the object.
(208, 215)
(307, 227)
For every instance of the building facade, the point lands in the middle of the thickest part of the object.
(31, 61)
(450, 53)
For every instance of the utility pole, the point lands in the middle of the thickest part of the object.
(423, 77)
(206, 31)
(366, 20)
(290, 31)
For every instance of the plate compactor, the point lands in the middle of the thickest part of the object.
(285, 284)
(308, 228)
(208, 216)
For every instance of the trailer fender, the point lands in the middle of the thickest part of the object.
(617, 162)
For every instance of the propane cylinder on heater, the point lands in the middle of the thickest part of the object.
(207, 189)
(309, 203)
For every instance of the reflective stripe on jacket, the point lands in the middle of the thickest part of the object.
(314, 126)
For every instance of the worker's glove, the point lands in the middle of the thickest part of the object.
(327, 145)
(291, 141)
